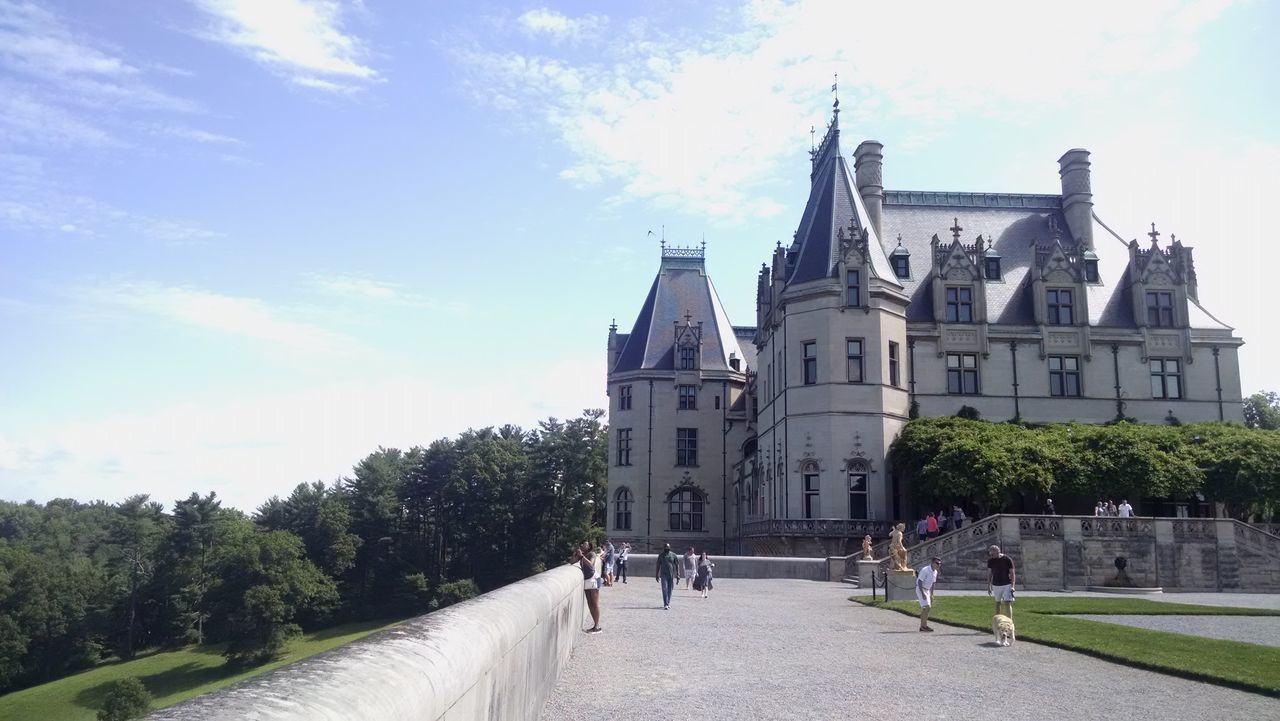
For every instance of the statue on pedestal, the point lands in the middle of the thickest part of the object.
(866, 548)
(897, 551)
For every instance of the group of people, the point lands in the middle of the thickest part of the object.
(1001, 579)
(600, 565)
(694, 569)
(932, 525)
(1109, 508)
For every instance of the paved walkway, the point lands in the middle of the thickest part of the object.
(783, 649)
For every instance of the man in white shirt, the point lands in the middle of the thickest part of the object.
(1126, 511)
(925, 579)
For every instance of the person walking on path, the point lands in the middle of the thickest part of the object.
(957, 517)
(610, 557)
(623, 556)
(1049, 508)
(690, 567)
(665, 573)
(931, 523)
(922, 528)
(703, 582)
(925, 579)
(1001, 580)
(585, 560)
(1126, 511)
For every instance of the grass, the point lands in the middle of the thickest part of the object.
(1246, 666)
(171, 676)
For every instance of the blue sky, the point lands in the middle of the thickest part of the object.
(246, 242)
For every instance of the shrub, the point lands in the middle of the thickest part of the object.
(454, 591)
(126, 699)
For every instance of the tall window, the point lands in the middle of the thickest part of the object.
(1091, 271)
(688, 359)
(901, 265)
(857, 491)
(686, 446)
(1064, 375)
(624, 398)
(1166, 378)
(1160, 308)
(810, 362)
(855, 359)
(624, 446)
(893, 364)
(962, 373)
(853, 287)
(991, 268)
(1059, 307)
(959, 305)
(811, 494)
(686, 510)
(622, 510)
(688, 398)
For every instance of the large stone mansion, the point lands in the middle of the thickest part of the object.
(890, 304)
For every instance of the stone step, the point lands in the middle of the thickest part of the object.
(852, 581)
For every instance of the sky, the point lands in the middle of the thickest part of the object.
(244, 243)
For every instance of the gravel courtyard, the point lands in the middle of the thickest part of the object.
(781, 649)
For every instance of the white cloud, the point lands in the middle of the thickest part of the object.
(247, 449)
(558, 26)
(369, 289)
(706, 129)
(37, 203)
(198, 135)
(300, 39)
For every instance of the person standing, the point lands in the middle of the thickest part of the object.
(585, 560)
(665, 573)
(1049, 509)
(1001, 580)
(690, 567)
(610, 557)
(623, 556)
(704, 573)
(943, 522)
(1112, 510)
(927, 576)
(922, 528)
(957, 517)
(931, 524)
(1126, 511)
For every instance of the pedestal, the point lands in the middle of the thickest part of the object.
(865, 569)
(901, 586)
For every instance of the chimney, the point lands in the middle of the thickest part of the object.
(1077, 196)
(867, 162)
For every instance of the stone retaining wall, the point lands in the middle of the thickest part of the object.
(494, 657)
(641, 565)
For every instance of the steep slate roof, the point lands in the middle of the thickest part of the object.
(681, 286)
(833, 205)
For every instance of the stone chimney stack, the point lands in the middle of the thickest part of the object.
(867, 163)
(1077, 195)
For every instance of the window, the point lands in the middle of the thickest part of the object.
(855, 359)
(901, 266)
(962, 373)
(853, 287)
(688, 359)
(686, 446)
(810, 362)
(959, 305)
(811, 500)
(624, 398)
(858, 491)
(1160, 308)
(717, 402)
(686, 510)
(688, 398)
(1091, 271)
(1064, 376)
(893, 364)
(1059, 311)
(991, 266)
(622, 510)
(624, 446)
(1166, 378)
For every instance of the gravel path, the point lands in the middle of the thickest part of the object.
(1250, 629)
(783, 649)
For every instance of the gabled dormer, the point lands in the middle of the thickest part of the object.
(1159, 291)
(688, 345)
(1060, 298)
(959, 293)
(900, 261)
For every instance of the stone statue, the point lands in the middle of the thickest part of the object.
(866, 548)
(897, 551)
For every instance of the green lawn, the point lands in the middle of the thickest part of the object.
(171, 677)
(1246, 666)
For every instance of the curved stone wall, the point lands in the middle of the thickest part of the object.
(496, 657)
(810, 569)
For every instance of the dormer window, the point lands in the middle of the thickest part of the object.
(1160, 308)
(853, 287)
(1091, 271)
(991, 267)
(959, 305)
(1059, 308)
(688, 359)
(901, 264)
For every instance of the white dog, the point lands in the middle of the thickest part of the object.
(1002, 629)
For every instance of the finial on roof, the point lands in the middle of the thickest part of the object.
(1173, 238)
(899, 240)
(955, 229)
(613, 324)
(1154, 234)
(688, 318)
(835, 90)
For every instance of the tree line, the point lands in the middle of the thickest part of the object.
(1014, 467)
(406, 532)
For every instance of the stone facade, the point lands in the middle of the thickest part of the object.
(1019, 306)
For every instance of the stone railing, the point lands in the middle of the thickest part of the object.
(1103, 526)
(822, 527)
(494, 657)
(1272, 528)
(641, 565)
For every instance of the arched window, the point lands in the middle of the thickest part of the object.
(622, 510)
(857, 490)
(686, 506)
(812, 494)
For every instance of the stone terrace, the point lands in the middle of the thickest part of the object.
(781, 649)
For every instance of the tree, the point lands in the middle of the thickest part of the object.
(135, 533)
(1262, 410)
(126, 699)
(198, 523)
